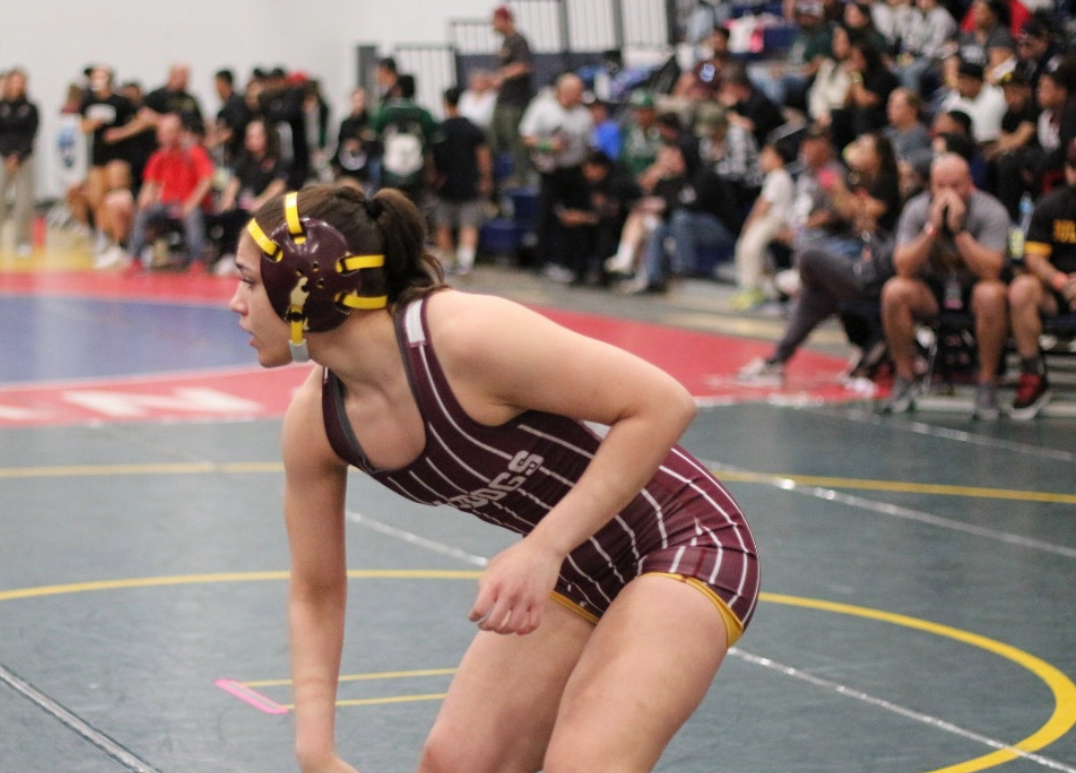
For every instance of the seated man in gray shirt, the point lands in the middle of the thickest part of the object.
(949, 256)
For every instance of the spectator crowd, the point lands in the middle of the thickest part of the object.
(902, 160)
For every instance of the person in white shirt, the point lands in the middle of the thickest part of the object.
(984, 102)
(767, 219)
(929, 38)
(556, 130)
(478, 99)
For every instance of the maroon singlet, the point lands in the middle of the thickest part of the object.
(683, 522)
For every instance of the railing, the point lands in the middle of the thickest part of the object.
(563, 34)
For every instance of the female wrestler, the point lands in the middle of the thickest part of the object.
(601, 630)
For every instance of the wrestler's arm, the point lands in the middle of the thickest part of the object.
(314, 490)
(504, 359)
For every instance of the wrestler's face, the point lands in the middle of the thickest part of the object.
(268, 332)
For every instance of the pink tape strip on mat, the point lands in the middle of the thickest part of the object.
(254, 698)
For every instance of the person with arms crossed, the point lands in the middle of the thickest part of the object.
(601, 630)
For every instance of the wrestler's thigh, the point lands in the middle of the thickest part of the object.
(500, 708)
(646, 668)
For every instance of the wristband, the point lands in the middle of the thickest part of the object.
(1059, 280)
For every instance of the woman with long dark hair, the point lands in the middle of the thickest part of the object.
(259, 175)
(600, 631)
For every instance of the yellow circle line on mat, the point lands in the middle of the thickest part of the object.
(740, 476)
(418, 672)
(208, 579)
(1064, 691)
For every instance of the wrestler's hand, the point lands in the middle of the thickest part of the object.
(514, 589)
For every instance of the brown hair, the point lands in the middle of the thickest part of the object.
(387, 223)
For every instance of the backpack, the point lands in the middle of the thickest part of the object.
(403, 154)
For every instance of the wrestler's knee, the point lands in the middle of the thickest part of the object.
(447, 752)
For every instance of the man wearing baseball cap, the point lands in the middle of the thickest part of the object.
(514, 75)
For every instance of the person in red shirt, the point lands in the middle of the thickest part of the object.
(175, 186)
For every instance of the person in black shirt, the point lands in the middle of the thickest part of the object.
(386, 75)
(18, 128)
(142, 145)
(173, 97)
(111, 119)
(1046, 287)
(232, 118)
(1017, 145)
(354, 148)
(514, 79)
(282, 106)
(865, 108)
(463, 181)
(592, 231)
(259, 175)
(706, 214)
(749, 106)
(1036, 49)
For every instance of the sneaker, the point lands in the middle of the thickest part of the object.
(1032, 393)
(650, 288)
(986, 401)
(619, 266)
(159, 256)
(225, 266)
(114, 257)
(869, 361)
(762, 371)
(746, 300)
(558, 273)
(633, 285)
(902, 396)
(787, 282)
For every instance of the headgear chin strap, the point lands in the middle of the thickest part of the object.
(313, 280)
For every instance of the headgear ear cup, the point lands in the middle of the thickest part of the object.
(312, 279)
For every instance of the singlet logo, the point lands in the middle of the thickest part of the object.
(521, 467)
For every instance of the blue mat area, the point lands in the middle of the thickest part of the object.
(67, 338)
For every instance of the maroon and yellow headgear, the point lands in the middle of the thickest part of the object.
(313, 280)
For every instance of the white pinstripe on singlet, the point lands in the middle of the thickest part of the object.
(416, 337)
(495, 511)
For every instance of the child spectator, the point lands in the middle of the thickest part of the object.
(767, 219)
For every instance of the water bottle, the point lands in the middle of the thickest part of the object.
(1018, 232)
(1027, 205)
